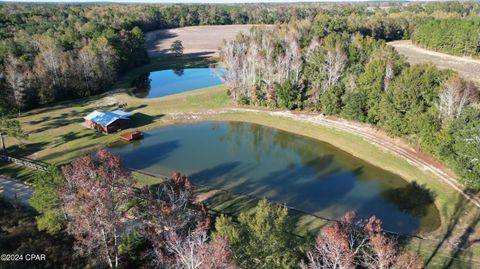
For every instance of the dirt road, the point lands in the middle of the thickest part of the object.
(467, 67)
(15, 190)
(202, 40)
(376, 137)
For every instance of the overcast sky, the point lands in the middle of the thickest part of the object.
(194, 1)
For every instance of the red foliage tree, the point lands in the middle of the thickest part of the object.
(94, 197)
(352, 243)
(176, 226)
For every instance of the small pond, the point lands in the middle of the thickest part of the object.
(304, 173)
(167, 82)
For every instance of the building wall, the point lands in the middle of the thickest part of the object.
(119, 124)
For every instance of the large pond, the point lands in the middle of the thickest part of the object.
(167, 82)
(301, 172)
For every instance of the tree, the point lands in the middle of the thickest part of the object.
(95, 196)
(463, 147)
(10, 127)
(176, 226)
(352, 243)
(18, 77)
(355, 106)
(177, 48)
(331, 100)
(335, 62)
(262, 239)
(45, 199)
(454, 97)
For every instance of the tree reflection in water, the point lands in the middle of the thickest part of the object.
(141, 85)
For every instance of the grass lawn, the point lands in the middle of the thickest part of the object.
(57, 136)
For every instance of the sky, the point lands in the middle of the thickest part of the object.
(195, 1)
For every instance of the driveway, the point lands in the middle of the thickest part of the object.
(15, 190)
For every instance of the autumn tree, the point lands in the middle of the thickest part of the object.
(176, 226)
(353, 243)
(94, 196)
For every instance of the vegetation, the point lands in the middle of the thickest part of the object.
(356, 77)
(177, 48)
(457, 36)
(56, 52)
(168, 227)
(46, 201)
(263, 239)
(12, 128)
(19, 235)
(339, 66)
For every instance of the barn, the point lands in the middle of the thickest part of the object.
(108, 122)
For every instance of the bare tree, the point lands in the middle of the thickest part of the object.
(18, 77)
(194, 252)
(389, 75)
(173, 222)
(335, 62)
(352, 243)
(454, 97)
(94, 197)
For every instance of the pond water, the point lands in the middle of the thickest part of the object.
(167, 82)
(301, 172)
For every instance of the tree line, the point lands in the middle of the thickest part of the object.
(116, 225)
(457, 36)
(53, 52)
(359, 78)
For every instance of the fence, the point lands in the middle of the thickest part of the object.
(29, 163)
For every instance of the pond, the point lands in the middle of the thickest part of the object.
(167, 82)
(304, 173)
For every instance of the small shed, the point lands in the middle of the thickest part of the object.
(130, 136)
(108, 122)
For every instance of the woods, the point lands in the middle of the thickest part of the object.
(80, 50)
(352, 76)
(452, 35)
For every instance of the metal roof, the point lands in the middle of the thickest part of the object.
(106, 118)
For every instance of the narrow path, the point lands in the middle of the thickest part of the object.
(377, 138)
(15, 190)
(467, 67)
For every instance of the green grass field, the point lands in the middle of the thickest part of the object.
(57, 136)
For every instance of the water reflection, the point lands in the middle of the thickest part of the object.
(173, 81)
(142, 85)
(304, 173)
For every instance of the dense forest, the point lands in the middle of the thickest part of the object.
(360, 78)
(56, 52)
(453, 36)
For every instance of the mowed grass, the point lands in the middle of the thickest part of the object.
(57, 136)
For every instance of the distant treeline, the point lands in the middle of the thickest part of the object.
(457, 36)
(52, 52)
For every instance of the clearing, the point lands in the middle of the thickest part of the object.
(199, 40)
(467, 67)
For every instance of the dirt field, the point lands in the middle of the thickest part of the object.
(195, 39)
(467, 67)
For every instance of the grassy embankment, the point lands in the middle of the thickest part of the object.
(56, 136)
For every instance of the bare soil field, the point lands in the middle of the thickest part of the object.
(202, 40)
(467, 67)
